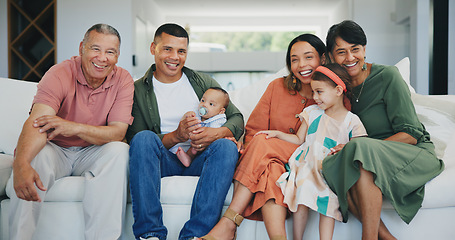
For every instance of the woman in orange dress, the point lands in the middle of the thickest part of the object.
(256, 195)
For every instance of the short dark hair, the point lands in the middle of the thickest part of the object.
(104, 29)
(173, 30)
(347, 30)
(341, 72)
(315, 42)
(226, 95)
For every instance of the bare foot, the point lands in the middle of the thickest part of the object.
(183, 157)
(223, 230)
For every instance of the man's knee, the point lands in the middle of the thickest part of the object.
(116, 148)
(43, 161)
(224, 143)
(228, 149)
(145, 137)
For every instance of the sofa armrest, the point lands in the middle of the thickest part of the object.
(6, 166)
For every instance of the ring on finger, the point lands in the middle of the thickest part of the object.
(200, 145)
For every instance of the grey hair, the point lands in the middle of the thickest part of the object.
(104, 29)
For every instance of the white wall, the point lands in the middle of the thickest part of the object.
(416, 14)
(147, 17)
(420, 46)
(342, 12)
(3, 39)
(385, 39)
(451, 75)
(75, 17)
(400, 28)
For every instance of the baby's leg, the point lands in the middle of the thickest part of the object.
(326, 226)
(300, 218)
(185, 158)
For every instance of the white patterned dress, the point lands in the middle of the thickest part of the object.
(303, 182)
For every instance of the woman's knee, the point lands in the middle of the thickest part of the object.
(360, 142)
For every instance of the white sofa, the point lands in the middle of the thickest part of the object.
(62, 216)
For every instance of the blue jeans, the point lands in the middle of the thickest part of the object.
(150, 161)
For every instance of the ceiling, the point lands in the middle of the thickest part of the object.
(252, 15)
(247, 7)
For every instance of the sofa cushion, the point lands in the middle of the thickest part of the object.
(175, 190)
(179, 190)
(6, 162)
(440, 192)
(437, 114)
(449, 153)
(21, 94)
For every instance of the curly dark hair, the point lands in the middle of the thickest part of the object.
(315, 42)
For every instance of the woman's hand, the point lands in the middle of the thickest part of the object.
(269, 133)
(239, 144)
(402, 137)
(336, 149)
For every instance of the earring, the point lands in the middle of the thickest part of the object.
(364, 67)
(293, 80)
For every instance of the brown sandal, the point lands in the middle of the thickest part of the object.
(231, 215)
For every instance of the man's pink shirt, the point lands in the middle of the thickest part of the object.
(65, 89)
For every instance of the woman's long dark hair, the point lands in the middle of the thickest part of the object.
(315, 42)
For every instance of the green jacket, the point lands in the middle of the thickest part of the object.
(145, 107)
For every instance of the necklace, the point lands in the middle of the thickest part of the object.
(357, 97)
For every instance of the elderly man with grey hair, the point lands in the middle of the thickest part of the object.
(78, 118)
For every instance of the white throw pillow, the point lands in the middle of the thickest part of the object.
(437, 113)
(16, 98)
(404, 66)
(449, 153)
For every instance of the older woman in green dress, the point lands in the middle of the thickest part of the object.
(397, 158)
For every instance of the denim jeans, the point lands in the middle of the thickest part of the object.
(150, 161)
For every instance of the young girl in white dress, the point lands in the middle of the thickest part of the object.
(325, 128)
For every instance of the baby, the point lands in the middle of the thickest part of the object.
(212, 106)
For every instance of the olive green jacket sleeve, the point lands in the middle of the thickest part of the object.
(145, 107)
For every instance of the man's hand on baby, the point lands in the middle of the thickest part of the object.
(188, 124)
(203, 137)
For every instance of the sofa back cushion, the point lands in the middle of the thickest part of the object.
(16, 98)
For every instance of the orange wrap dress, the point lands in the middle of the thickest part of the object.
(263, 160)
